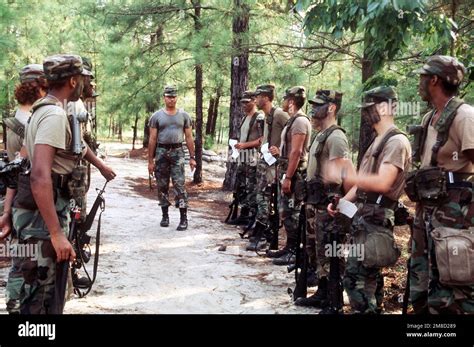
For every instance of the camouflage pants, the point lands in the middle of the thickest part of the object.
(249, 196)
(290, 207)
(265, 178)
(364, 286)
(37, 294)
(324, 224)
(427, 291)
(311, 234)
(14, 282)
(169, 163)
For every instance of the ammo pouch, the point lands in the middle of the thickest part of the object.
(380, 249)
(454, 249)
(401, 215)
(427, 185)
(24, 196)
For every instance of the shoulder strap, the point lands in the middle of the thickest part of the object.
(252, 122)
(270, 124)
(15, 125)
(382, 144)
(321, 142)
(288, 126)
(443, 125)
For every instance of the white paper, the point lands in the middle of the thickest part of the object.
(235, 151)
(191, 173)
(347, 208)
(267, 156)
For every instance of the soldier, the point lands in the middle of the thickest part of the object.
(33, 86)
(329, 146)
(168, 128)
(251, 133)
(445, 142)
(275, 121)
(41, 213)
(293, 154)
(376, 188)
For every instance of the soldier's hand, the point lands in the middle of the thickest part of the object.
(332, 212)
(274, 150)
(192, 164)
(5, 225)
(286, 186)
(108, 173)
(151, 168)
(240, 146)
(63, 248)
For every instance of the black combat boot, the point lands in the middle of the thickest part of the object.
(318, 299)
(243, 219)
(183, 223)
(165, 218)
(258, 238)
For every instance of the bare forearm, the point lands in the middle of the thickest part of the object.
(7, 205)
(42, 189)
(190, 145)
(293, 162)
(93, 159)
(151, 149)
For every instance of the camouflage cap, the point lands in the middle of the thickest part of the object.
(268, 89)
(446, 67)
(247, 96)
(60, 66)
(170, 91)
(378, 95)
(31, 72)
(297, 91)
(87, 64)
(323, 97)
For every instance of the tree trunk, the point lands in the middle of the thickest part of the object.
(199, 118)
(210, 115)
(120, 132)
(146, 128)
(239, 79)
(216, 111)
(135, 131)
(366, 133)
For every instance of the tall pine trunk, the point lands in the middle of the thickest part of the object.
(199, 120)
(239, 78)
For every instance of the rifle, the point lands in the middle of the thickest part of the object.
(406, 294)
(301, 261)
(335, 289)
(233, 208)
(274, 213)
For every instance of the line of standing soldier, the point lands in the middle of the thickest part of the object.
(313, 170)
(37, 209)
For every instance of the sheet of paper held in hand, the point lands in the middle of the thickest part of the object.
(235, 151)
(347, 208)
(269, 158)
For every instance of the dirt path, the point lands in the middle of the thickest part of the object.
(148, 269)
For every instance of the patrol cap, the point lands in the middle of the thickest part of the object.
(297, 91)
(267, 89)
(170, 91)
(31, 72)
(325, 96)
(378, 95)
(60, 66)
(446, 67)
(87, 65)
(247, 96)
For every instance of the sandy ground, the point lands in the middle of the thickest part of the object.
(144, 268)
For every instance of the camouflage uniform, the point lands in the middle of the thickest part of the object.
(169, 163)
(427, 293)
(290, 205)
(32, 72)
(364, 284)
(38, 290)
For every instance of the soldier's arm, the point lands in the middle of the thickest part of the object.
(381, 182)
(105, 170)
(251, 144)
(5, 219)
(188, 133)
(42, 189)
(297, 143)
(152, 149)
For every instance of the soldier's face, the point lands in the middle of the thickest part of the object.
(423, 87)
(170, 101)
(78, 83)
(88, 88)
(261, 101)
(285, 105)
